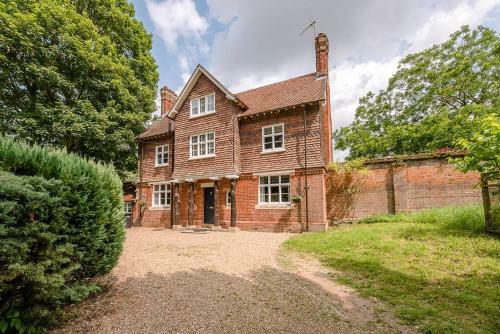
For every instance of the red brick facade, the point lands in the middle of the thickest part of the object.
(300, 105)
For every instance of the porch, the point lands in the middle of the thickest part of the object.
(207, 202)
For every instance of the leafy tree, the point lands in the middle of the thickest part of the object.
(483, 156)
(77, 74)
(483, 149)
(436, 97)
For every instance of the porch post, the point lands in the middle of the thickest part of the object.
(175, 214)
(216, 203)
(191, 205)
(176, 204)
(232, 226)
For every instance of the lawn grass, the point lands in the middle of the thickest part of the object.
(435, 269)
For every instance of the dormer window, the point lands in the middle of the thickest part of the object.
(203, 105)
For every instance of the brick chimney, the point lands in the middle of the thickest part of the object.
(322, 47)
(168, 98)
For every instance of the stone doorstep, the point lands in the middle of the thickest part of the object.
(205, 227)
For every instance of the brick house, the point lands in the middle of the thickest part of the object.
(253, 160)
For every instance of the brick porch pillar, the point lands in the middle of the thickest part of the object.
(216, 203)
(190, 222)
(176, 204)
(232, 189)
(176, 211)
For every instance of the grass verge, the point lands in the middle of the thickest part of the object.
(435, 268)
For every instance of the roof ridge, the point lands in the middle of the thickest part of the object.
(276, 83)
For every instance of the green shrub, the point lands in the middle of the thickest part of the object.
(61, 223)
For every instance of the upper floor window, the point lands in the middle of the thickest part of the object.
(274, 189)
(272, 138)
(161, 155)
(202, 145)
(161, 195)
(203, 105)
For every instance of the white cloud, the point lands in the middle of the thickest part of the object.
(441, 24)
(261, 43)
(176, 19)
(183, 63)
(349, 81)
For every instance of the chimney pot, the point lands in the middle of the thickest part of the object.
(322, 48)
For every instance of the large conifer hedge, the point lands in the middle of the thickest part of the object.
(61, 223)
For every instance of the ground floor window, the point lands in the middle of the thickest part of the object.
(161, 195)
(228, 198)
(128, 208)
(274, 189)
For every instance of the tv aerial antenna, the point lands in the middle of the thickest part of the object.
(311, 25)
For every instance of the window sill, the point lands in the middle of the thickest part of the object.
(201, 115)
(273, 151)
(162, 165)
(202, 157)
(159, 208)
(274, 206)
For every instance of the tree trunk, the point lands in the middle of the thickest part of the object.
(488, 217)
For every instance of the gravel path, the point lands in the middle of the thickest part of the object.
(215, 282)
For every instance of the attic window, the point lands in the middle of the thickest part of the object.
(203, 105)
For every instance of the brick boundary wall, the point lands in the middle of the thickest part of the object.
(395, 185)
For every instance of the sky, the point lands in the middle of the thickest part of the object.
(246, 44)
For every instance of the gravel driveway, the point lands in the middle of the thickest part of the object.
(216, 282)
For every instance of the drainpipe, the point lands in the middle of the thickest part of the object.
(141, 145)
(305, 168)
(233, 117)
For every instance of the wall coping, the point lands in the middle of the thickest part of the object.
(420, 156)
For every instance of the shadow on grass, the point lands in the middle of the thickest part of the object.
(468, 305)
(205, 301)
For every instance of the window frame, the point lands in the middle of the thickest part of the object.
(273, 135)
(206, 104)
(228, 198)
(168, 195)
(167, 153)
(280, 184)
(128, 205)
(198, 144)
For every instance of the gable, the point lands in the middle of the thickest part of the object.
(190, 84)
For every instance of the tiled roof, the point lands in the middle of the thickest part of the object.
(291, 92)
(159, 127)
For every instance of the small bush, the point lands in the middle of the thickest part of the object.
(61, 224)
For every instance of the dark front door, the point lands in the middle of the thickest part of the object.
(208, 207)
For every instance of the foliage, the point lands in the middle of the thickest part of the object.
(76, 74)
(436, 97)
(61, 223)
(428, 272)
(483, 149)
(345, 181)
(349, 166)
(296, 198)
